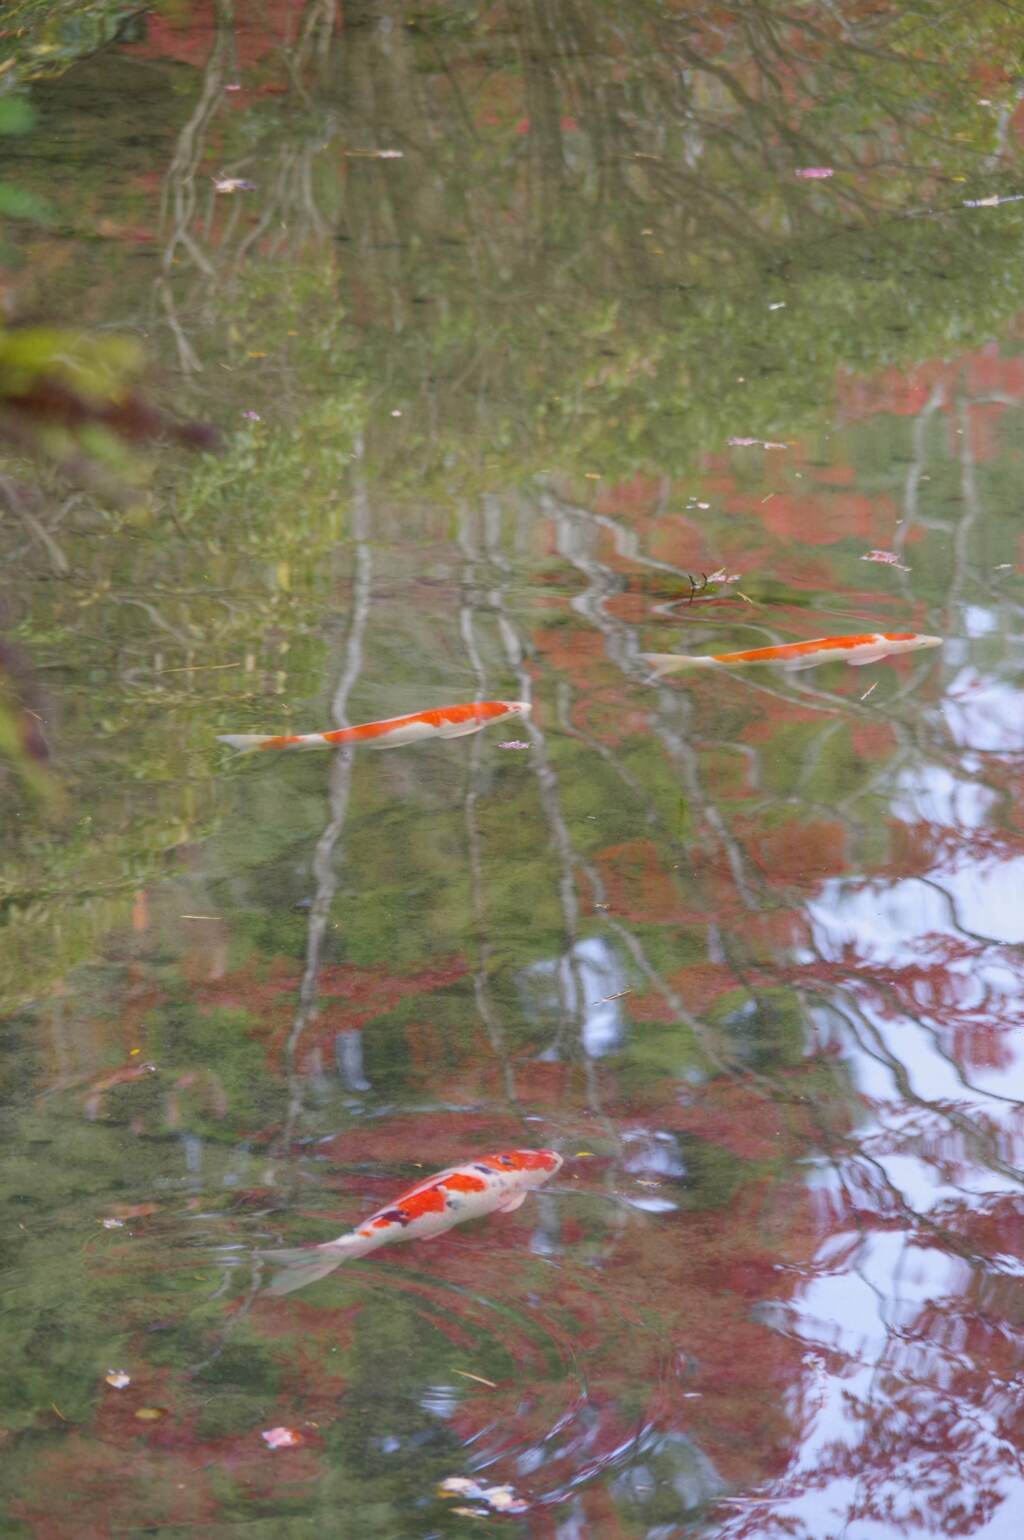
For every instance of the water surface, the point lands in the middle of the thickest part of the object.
(481, 340)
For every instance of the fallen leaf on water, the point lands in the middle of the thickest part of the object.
(513, 743)
(232, 184)
(888, 558)
(282, 1438)
(501, 1499)
(117, 1379)
(867, 692)
(993, 202)
(378, 154)
(113, 1224)
(478, 1377)
(124, 1211)
(151, 1413)
(815, 173)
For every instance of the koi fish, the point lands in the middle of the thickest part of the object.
(441, 722)
(856, 650)
(495, 1183)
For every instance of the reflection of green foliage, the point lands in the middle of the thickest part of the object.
(16, 117)
(765, 1030)
(43, 37)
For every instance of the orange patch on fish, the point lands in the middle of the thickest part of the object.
(795, 649)
(281, 741)
(461, 1181)
(426, 1200)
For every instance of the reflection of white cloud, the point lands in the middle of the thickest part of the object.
(654, 1151)
(984, 713)
(579, 983)
(889, 921)
(933, 794)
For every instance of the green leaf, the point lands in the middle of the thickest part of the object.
(23, 205)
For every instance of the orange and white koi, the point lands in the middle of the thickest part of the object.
(856, 650)
(440, 722)
(495, 1183)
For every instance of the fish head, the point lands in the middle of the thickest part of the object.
(909, 641)
(517, 708)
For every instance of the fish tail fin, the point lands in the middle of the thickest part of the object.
(307, 1264)
(661, 663)
(247, 743)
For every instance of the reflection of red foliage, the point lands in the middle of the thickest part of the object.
(350, 998)
(639, 888)
(574, 651)
(640, 495)
(737, 1115)
(189, 33)
(825, 519)
(602, 716)
(800, 851)
(872, 740)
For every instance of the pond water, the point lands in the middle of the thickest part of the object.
(518, 324)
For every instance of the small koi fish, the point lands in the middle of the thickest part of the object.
(495, 1183)
(856, 650)
(441, 722)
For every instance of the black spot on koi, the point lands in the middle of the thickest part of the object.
(397, 1216)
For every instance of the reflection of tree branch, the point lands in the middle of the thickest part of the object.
(339, 781)
(15, 498)
(481, 985)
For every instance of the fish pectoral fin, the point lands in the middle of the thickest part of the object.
(872, 657)
(462, 729)
(511, 1204)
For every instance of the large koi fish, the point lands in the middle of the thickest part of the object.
(441, 722)
(856, 650)
(495, 1183)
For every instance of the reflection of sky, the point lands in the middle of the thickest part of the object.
(984, 713)
(580, 983)
(933, 794)
(935, 1129)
